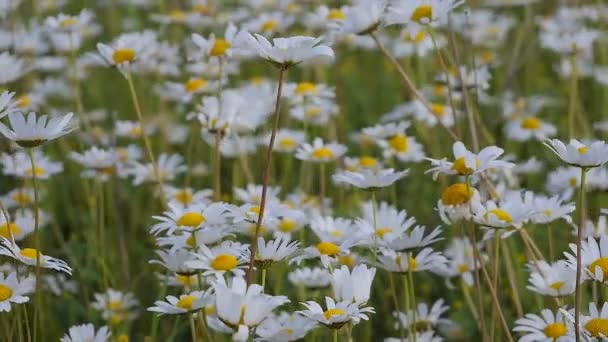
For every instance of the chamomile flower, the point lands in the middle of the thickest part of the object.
(593, 229)
(123, 52)
(227, 257)
(458, 202)
(337, 313)
(427, 318)
(287, 140)
(548, 327)
(418, 13)
(33, 130)
(215, 47)
(187, 90)
(530, 127)
(425, 260)
(99, 162)
(186, 303)
(320, 152)
(594, 325)
(19, 197)
(467, 163)
(132, 129)
(243, 307)
(11, 68)
(313, 278)
(29, 256)
(594, 258)
(14, 290)
(19, 227)
(116, 306)
(369, 179)
(576, 153)
(548, 209)
(86, 333)
(7, 104)
(362, 17)
(556, 279)
(510, 213)
(284, 327)
(252, 194)
(175, 261)
(353, 286)
(69, 23)
(271, 251)
(19, 165)
(284, 52)
(168, 166)
(187, 196)
(191, 218)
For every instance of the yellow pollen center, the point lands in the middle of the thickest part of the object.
(191, 219)
(336, 14)
(67, 22)
(457, 194)
(288, 143)
(306, 88)
(194, 84)
(184, 197)
(412, 264)
(555, 330)
(323, 153)
(462, 268)
(115, 304)
(602, 263)
(224, 262)
(10, 229)
(382, 231)
(124, 55)
(177, 15)
(287, 225)
(422, 14)
(368, 162)
(557, 285)
(186, 280)
(501, 214)
(24, 101)
(38, 171)
(530, 123)
(21, 197)
(328, 248)
(186, 302)
(30, 253)
(333, 312)
(5, 292)
(597, 327)
(440, 90)
(582, 150)
(461, 167)
(438, 110)
(220, 47)
(573, 181)
(399, 143)
(270, 25)
(347, 260)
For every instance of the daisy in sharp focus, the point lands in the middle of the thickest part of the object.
(576, 153)
(458, 202)
(399, 262)
(86, 333)
(33, 130)
(556, 279)
(320, 152)
(337, 313)
(594, 258)
(508, 214)
(186, 303)
(548, 327)
(415, 14)
(467, 163)
(190, 218)
(228, 257)
(14, 290)
(29, 256)
(271, 251)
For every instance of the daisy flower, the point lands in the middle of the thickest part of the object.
(19, 165)
(594, 258)
(548, 327)
(467, 163)
(7, 104)
(363, 17)
(116, 306)
(287, 140)
(13, 290)
(123, 52)
(594, 324)
(575, 153)
(186, 196)
(530, 127)
(353, 286)
(426, 318)
(243, 307)
(556, 279)
(417, 13)
(29, 256)
(320, 152)
(227, 257)
(11, 68)
(252, 194)
(132, 129)
(190, 218)
(272, 251)
(336, 314)
(549, 209)
(284, 52)
(312, 278)
(215, 47)
(510, 212)
(186, 303)
(593, 229)
(20, 197)
(168, 166)
(33, 130)
(284, 327)
(100, 163)
(425, 260)
(175, 261)
(369, 179)
(19, 227)
(458, 202)
(86, 332)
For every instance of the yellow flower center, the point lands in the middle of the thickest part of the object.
(323, 153)
(194, 84)
(21, 197)
(461, 167)
(487, 56)
(440, 90)
(597, 327)
(124, 55)
(381, 231)
(287, 225)
(602, 263)
(123, 338)
(67, 22)
(438, 110)
(368, 162)
(30, 253)
(306, 88)
(412, 264)
(5, 292)
(328, 248)
(191, 219)
(288, 143)
(220, 47)
(399, 143)
(422, 12)
(184, 197)
(530, 123)
(114, 304)
(336, 14)
(10, 229)
(419, 37)
(177, 15)
(555, 330)
(557, 285)
(347, 260)
(38, 171)
(311, 112)
(462, 268)
(456, 194)
(24, 101)
(582, 150)
(210, 310)
(269, 25)
(333, 312)
(500, 214)
(186, 280)
(185, 302)
(573, 181)
(117, 318)
(224, 262)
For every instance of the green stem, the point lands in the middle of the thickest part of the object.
(579, 236)
(37, 245)
(573, 97)
(335, 335)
